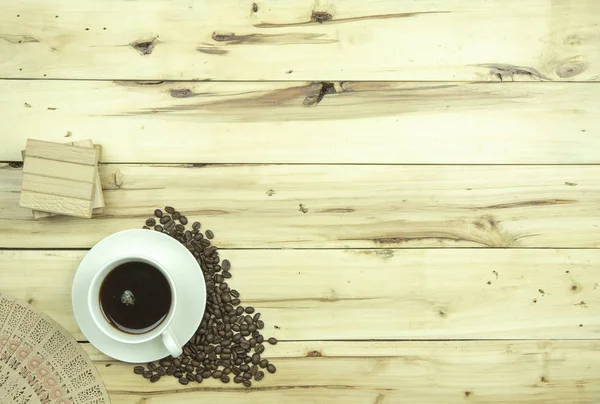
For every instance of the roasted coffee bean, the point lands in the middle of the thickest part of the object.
(199, 356)
(169, 209)
(170, 370)
(218, 349)
(206, 374)
(195, 363)
(227, 275)
(249, 310)
(272, 341)
(260, 338)
(199, 378)
(150, 222)
(165, 219)
(158, 228)
(260, 348)
(145, 227)
(196, 225)
(154, 378)
(138, 370)
(252, 327)
(188, 235)
(178, 374)
(252, 342)
(226, 265)
(161, 371)
(183, 220)
(189, 368)
(236, 371)
(147, 374)
(185, 361)
(183, 380)
(190, 376)
(225, 379)
(248, 320)
(247, 383)
(238, 379)
(236, 327)
(209, 234)
(176, 363)
(256, 317)
(238, 310)
(235, 302)
(179, 228)
(255, 359)
(217, 374)
(165, 362)
(198, 236)
(259, 375)
(244, 368)
(271, 368)
(176, 215)
(254, 370)
(158, 213)
(247, 376)
(263, 363)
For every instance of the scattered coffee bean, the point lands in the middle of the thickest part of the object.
(271, 368)
(272, 341)
(228, 340)
(226, 265)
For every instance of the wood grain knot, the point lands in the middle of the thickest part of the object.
(571, 67)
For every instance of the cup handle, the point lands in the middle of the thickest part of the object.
(171, 343)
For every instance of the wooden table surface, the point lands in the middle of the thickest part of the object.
(408, 191)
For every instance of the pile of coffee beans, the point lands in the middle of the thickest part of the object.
(228, 344)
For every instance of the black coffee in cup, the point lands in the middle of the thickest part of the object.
(135, 297)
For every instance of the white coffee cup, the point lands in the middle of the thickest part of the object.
(162, 330)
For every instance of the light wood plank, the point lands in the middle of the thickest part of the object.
(56, 204)
(283, 39)
(544, 372)
(58, 169)
(68, 153)
(58, 186)
(363, 122)
(375, 294)
(273, 206)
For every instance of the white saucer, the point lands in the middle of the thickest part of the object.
(175, 258)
